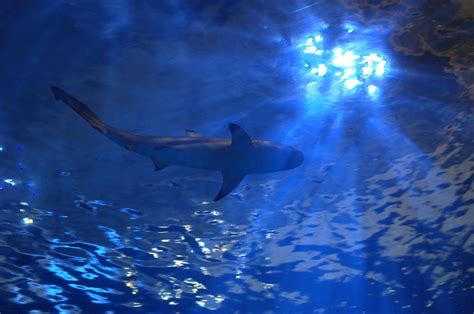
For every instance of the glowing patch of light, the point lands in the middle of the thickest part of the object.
(349, 28)
(10, 181)
(348, 72)
(367, 71)
(132, 285)
(310, 49)
(351, 83)
(373, 62)
(153, 254)
(380, 68)
(1, 149)
(371, 89)
(27, 221)
(345, 67)
(179, 263)
(344, 59)
(322, 69)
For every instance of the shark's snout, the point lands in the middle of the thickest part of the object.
(295, 159)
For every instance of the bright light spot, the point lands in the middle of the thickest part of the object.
(349, 28)
(373, 61)
(10, 181)
(351, 83)
(1, 149)
(345, 67)
(27, 221)
(371, 58)
(132, 285)
(179, 263)
(319, 52)
(371, 89)
(322, 70)
(346, 59)
(348, 72)
(380, 69)
(153, 254)
(367, 71)
(310, 49)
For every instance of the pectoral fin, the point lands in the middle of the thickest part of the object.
(230, 181)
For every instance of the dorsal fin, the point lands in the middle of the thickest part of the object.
(230, 180)
(192, 133)
(240, 138)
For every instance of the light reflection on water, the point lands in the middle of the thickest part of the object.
(170, 264)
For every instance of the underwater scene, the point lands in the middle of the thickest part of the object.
(225, 156)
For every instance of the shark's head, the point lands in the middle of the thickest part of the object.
(275, 157)
(257, 156)
(282, 157)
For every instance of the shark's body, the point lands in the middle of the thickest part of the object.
(234, 158)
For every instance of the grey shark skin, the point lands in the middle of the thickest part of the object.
(234, 158)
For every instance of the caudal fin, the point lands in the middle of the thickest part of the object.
(123, 138)
(83, 110)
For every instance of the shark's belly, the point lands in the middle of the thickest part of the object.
(201, 157)
(220, 157)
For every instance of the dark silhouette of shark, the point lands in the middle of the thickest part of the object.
(233, 158)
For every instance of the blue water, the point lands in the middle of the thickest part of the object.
(378, 219)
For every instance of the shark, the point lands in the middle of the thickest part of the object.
(234, 158)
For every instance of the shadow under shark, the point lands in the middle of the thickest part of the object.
(233, 158)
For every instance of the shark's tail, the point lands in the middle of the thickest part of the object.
(122, 138)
